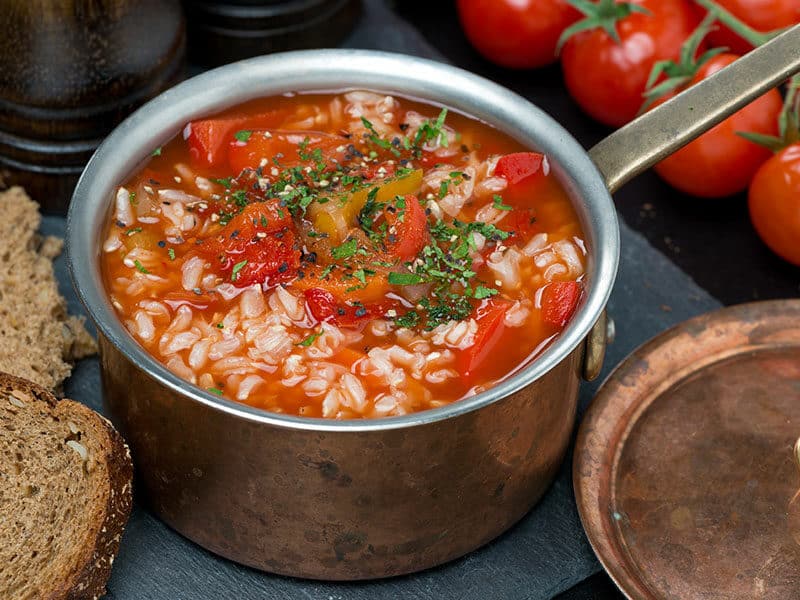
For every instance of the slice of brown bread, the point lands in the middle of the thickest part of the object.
(38, 339)
(65, 495)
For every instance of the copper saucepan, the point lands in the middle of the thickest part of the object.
(373, 498)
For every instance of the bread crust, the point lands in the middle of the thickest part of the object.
(88, 580)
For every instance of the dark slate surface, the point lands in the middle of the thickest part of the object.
(545, 554)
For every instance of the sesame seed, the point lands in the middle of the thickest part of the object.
(177, 179)
(267, 135)
(263, 162)
(498, 283)
(274, 171)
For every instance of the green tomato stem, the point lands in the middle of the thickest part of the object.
(753, 37)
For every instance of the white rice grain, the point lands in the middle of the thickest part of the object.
(224, 347)
(505, 267)
(191, 272)
(145, 329)
(455, 334)
(247, 385)
(112, 243)
(251, 302)
(198, 356)
(537, 243)
(282, 300)
(171, 344)
(123, 209)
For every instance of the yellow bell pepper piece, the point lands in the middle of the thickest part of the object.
(335, 217)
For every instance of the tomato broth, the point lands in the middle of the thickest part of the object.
(343, 255)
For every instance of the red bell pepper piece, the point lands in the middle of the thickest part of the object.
(559, 301)
(208, 139)
(325, 307)
(520, 223)
(518, 166)
(490, 319)
(263, 144)
(411, 234)
(256, 246)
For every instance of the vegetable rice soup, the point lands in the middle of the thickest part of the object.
(347, 255)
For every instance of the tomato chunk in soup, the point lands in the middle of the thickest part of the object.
(350, 255)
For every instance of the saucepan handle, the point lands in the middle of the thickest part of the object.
(667, 128)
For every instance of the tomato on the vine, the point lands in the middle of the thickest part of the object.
(761, 15)
(519, 34)
(606, 77)
(721, 162)
(775, 203)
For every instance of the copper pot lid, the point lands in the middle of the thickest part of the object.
(685, 474)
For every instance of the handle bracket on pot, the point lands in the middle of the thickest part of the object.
(598, 339)
(667, 128)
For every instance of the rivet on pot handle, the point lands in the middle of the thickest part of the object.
(667, 128)
(601, 335)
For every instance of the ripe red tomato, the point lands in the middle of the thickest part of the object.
(720, 162)
(519, 34)
(775, 203)
(761, 15)
(608, 79)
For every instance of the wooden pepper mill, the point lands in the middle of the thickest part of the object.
(70, 70)
(223, 31)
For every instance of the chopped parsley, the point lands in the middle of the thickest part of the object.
(133, 231)
(497, 202)
(220, 326)
(140, 267)
(376, 139)
(171, 253)
(310, 339)
(404, 278)
(410, 320)
(361, 275)
(446, 308)
(157, 152)
(216, 391)
(368, 213)
(240, 197)
(346, 250)
(482, 292)
(225, 182)
(132, 198)
(432, 132)
(236, 268)
(243, 135)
